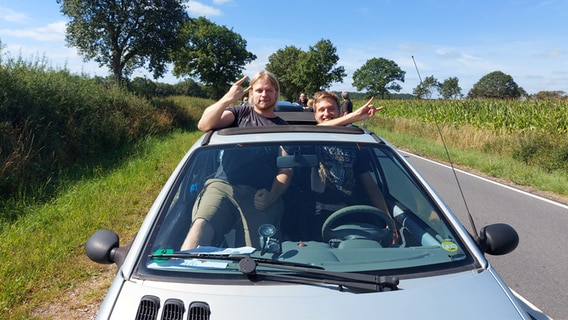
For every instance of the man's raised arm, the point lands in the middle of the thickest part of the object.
(215, 116)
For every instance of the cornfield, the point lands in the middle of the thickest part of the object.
(532, 132)
(549, 117)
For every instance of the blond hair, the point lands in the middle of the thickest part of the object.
(265, 75)
(324, 95)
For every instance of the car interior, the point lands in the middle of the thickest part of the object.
(340, 235)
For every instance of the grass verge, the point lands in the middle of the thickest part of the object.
(43, 251)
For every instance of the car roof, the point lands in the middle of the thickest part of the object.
(289, 133)
(303, 118)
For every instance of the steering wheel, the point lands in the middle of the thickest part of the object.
(359, 222)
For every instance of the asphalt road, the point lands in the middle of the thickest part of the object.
(537, 268)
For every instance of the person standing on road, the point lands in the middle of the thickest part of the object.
(347, 106)
(303, 100)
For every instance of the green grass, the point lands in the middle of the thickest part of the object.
(43, 251)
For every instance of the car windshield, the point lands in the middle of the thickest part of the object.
(346, 208)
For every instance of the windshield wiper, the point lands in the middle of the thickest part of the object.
(230, 257)
(248, 265)
(354, 281)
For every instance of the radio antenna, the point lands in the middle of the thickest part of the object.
(475, 234)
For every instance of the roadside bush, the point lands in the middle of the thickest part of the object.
(541, 150)
(170, 114)
(51, 120)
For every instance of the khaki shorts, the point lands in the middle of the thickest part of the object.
(226, 207)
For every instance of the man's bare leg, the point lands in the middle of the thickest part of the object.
(200, 233)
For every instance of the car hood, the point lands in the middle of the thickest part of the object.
(465, 295)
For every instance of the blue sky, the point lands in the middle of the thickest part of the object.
(467, 39)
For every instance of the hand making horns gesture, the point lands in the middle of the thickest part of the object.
(236, 92)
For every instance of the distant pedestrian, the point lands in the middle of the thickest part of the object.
(310, 106)
(347, 106)
(303, 100)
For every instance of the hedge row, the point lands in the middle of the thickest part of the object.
(51, 120)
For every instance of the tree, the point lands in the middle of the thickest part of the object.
(190, 88)
(143, 87)
(214, 54)
(284, 64)
(125, 35)
(377, 76)
(550, 95)
(317, 71)
(523, 94)
(495, 85)
(2, 46)
(305, 71)
(450, 88)
(425, 88)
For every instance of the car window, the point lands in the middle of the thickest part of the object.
(348, 207)
(407, 194)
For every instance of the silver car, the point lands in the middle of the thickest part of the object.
(357, 234)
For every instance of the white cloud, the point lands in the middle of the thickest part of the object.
(552, 53)
(52, 32)
(13, 16)
(198, 9)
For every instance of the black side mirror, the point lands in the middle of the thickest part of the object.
(103, 247)
(498, 239)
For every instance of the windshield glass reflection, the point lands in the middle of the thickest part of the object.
(344, 207)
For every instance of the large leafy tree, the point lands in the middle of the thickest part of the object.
(425, 88)
(283, 63)
(495, 85)
(377, 76)
(214, 54)
(450, 88)
(124, 35)
(318, 70)
(306, 71)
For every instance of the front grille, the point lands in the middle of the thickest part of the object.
(173, 310)
(198, 311)
(148, 308)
